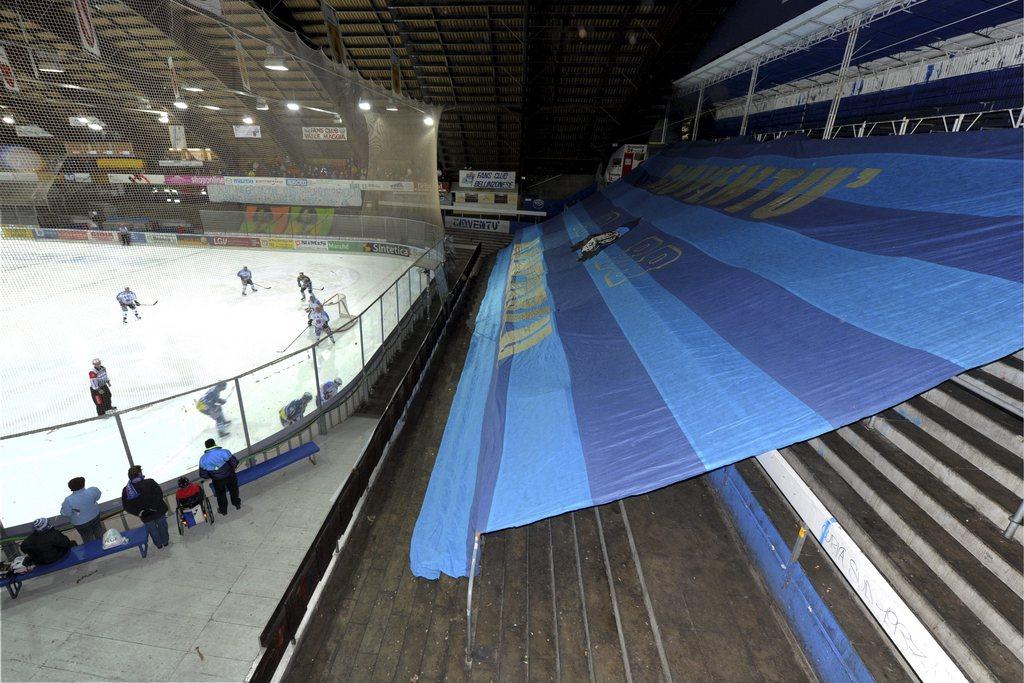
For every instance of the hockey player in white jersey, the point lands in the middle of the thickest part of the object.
(128, 300)
(305, 285)
(245, 275)
(310, 307)
(321, 322)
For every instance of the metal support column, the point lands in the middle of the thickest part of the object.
(241, 410)
(750, 96)
(469, 599)
(124, 439)
(1015, 522)
(851, 43)
(696, 116)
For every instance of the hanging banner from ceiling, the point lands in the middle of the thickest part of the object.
(396, 74)
(324, 133)
(247, 131)
(86, 31)
(31, 132)
(177, 135)
(7, 76)
(488, 180)
(337, 47)
(240, 58)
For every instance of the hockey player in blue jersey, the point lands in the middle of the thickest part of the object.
(293, 412)
(245, 275)
(128, 300)
(210, 405)
(329, 389)
(310, 306)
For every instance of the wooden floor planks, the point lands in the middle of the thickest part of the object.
(560, 599)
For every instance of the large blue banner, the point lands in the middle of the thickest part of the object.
(723, 301)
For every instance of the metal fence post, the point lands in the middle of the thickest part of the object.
(469, 600)
(241, 408)
(124, 439)
(316, 371)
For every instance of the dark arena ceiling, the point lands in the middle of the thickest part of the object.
(536, 86)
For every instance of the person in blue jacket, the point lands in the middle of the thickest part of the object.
(83, 511)
(293, 412)
(218, 465)
(329, 389)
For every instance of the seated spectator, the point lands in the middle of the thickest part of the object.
(144, 498)
(189, 493)
(83, 511)
(46, 545)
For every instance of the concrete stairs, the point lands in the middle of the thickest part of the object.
(490, 242)
(926, 489)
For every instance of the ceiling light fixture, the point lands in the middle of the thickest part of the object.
(211, 107)
(274, 60)
(84, 120)
(49, 62)
(392, 107)
(428, 120)
(95, 126)
(261, 104)
(293, 106)
(247, 120)
(178, 104)
(364, 105)
(192, 88)
(164, 118)
(9, 120)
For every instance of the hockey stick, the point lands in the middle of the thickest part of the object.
(294, 340)
(261, 286)
(139, 303)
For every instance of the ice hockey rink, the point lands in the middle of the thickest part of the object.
(59, 312)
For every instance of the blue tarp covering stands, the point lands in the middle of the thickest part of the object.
(770, 293)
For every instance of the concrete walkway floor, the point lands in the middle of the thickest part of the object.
(192, 611)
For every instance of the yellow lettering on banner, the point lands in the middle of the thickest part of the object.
(527, 314)
(281, 244)
(715, 183)
(523, 338)
(753, 177)
(688, 180)
(19, 232)
(783, 177)
(864, 177)
(670, 176)
(804, 192)
(524, 301)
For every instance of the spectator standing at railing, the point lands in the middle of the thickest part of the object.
(144, 498)
(83, 511)
(218, 465)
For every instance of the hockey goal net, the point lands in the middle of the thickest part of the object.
(336, 306)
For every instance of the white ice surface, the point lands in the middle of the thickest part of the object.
(58, 312)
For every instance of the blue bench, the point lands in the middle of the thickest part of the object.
(80, 554)
(254, 472)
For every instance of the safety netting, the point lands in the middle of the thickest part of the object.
(752, 296)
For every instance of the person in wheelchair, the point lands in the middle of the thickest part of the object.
(189, 494)
(192, 505)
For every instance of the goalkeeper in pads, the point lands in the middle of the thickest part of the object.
(591, 245)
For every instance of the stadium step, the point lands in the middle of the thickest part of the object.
(490, 241)
(926, 489)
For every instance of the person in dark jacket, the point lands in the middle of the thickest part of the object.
(144, 498)
(46, 545)
(218, 465)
